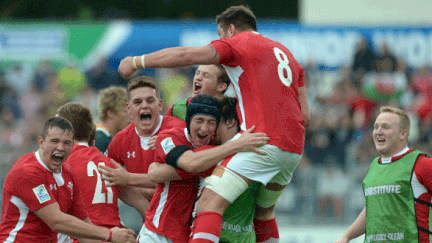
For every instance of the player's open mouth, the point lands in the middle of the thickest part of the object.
(201, 137)
(145, 117)
(381, 140)
(57, 157)
(197, 87)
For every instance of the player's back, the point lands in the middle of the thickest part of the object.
(100, 200)
(266, 78)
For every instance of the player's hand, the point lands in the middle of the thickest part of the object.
(115, 177)
(152, 142)
(126, 67)
(342, 240)
(249, 141)
(123, 235)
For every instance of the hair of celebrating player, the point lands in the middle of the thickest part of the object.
(113, 98)
(404, 123)
(142, 81)
(229, 111)
(80, 117)
(59, 122)
(203, 104)
(223, 77)
(241, 17)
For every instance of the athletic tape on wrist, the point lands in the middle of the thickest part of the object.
(109, 239)
(142, 61)
(134, 63)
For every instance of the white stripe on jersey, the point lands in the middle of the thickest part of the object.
(162, 201)
(24, 210)
(417, 187)
(234, 75)
(206, 236)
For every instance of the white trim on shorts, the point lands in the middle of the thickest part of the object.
(148, 236)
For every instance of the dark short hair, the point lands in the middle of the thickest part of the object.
(59, 122)
(142, 81)
(223, 77)
(203, 104)
(229, 109)
(241, 17)
(80, 117)
(92, 134)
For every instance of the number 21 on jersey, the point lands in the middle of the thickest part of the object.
(283, 65)
(99, 196)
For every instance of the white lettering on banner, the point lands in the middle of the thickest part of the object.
(413, 46)
(335, 47)
(382, 190)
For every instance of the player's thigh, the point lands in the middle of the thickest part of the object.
(147, 236)
(276, 166)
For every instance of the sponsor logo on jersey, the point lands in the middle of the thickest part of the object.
(167, 145)
(129, 154)
(41, 193)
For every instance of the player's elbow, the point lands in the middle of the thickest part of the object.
(154, 176)
(56, 224)
(307, 119)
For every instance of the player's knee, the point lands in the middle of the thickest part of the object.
(268, 198)
(228, 185)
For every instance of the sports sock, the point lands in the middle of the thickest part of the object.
(207, 228)
(266, 231)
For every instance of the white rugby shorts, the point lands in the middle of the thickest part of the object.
(147, 236)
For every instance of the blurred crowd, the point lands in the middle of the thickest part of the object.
(339, 147)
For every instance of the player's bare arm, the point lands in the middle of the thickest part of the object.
(133, 197)
(304, 105)
(195, 162)
(72, 226)
(159, 172)
(355, 230)
(121, 177)
(169, 58)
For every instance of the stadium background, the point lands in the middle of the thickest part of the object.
(54, 51)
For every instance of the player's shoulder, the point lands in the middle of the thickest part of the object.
(125, 133)
(178, 132)
(172, 122)
(26, 166)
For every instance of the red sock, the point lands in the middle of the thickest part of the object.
(207, 228)
(266, 230)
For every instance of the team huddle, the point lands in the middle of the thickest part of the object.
(210, 170)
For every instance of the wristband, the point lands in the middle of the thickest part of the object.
(142, 61)
(134, 63)
(109, 239)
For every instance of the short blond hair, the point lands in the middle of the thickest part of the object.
(405, 123)
(113, 98)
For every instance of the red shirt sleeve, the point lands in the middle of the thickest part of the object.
(169, 111)
(32, 188)
(423, 171)
(113, 150)
(224, 50)
(301, 78)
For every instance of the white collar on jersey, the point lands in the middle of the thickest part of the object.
(255, 32)
(389, 160)
(83, 144)
(190, 141)
(155, 131)
(57, 176)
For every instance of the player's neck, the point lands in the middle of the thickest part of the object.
(109, 126)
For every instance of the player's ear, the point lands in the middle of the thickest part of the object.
(40, 140)
(221, 87)
(231, 30)
(160, 105)
(230, 123)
